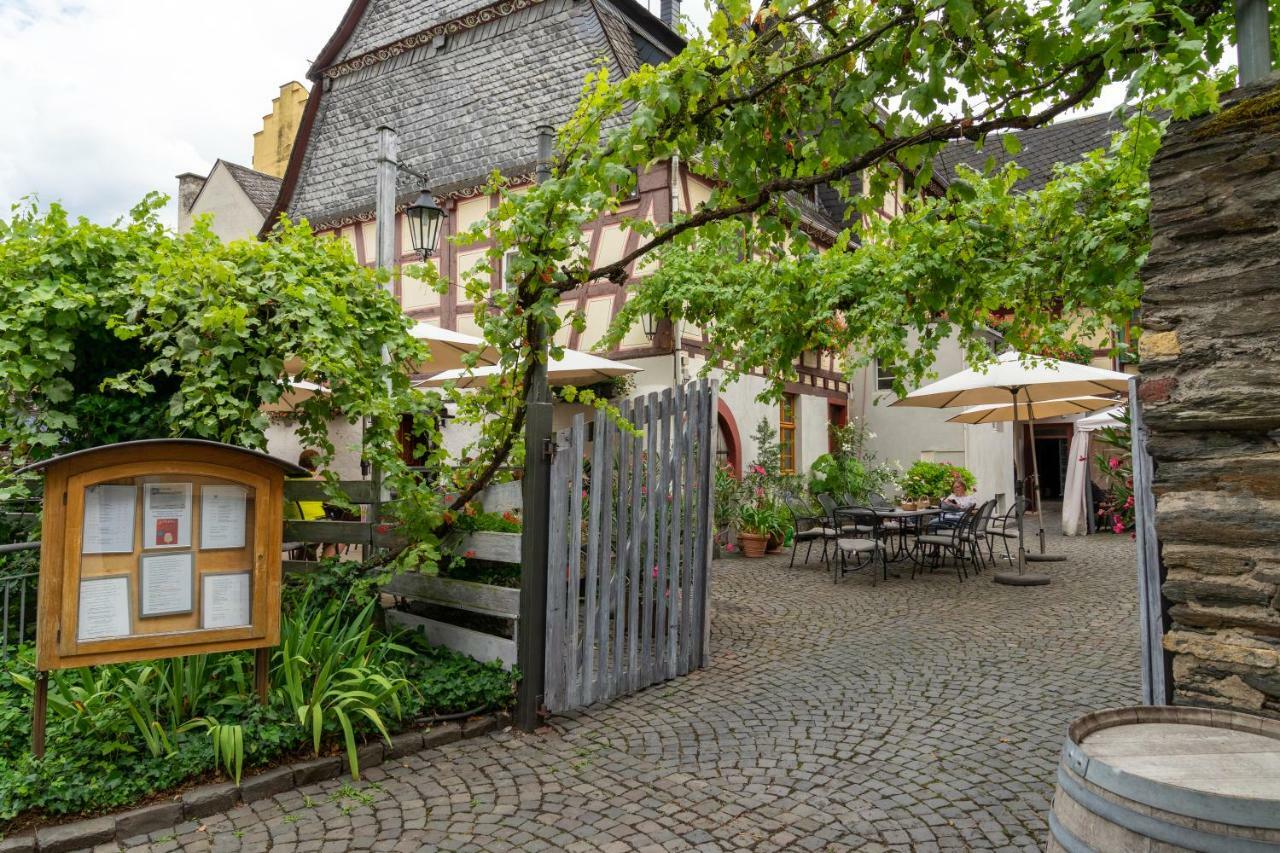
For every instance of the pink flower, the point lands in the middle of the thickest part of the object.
(1128, 503)
(730, 547)
(1117, 528)
(470, 554)
(757, 469)
(655, 571)
(1113, 463)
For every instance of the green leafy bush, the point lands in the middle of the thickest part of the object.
(926, 479)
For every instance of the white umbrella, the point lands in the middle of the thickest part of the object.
(572, 368)
(297, 391)
(995, 413)
(446, 346)
(1030, 379)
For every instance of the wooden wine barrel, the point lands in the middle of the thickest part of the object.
(1168, 779)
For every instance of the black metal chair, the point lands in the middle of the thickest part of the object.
(943, 542)
(864, 548)
(1005, 529)
(808, 527)
(879, 501)
(975, 535)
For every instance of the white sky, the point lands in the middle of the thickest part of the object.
(102, 101)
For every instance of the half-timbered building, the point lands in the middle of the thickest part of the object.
(464, 83)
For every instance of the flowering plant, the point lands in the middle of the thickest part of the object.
(1116, 510)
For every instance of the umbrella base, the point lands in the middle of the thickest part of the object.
(1046, 558)
(1015, 579)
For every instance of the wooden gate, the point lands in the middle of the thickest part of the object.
(630, 547)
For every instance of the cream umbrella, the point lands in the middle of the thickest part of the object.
(572, 368)
(297, 391)
(996, 413)
(1017, 378)
(993, 413)
(446, 346)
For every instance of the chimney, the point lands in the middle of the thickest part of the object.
(669, 12)
(189, 186)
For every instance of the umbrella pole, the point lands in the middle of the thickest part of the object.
(1041, 557)
(1020, 578)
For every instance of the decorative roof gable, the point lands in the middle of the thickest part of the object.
(464, 86)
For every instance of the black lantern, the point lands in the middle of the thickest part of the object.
(424, 217)
(649, 323)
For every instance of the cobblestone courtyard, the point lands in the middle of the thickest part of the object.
(917, 714)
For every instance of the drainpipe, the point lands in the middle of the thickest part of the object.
(1253, 40)
(677, 325)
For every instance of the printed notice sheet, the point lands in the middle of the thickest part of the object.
(108, 519)
(166, 584)
(224, 601)
(166, 520)
(104, 608)
(222, 516)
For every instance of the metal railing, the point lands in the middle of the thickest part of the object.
(17, 603)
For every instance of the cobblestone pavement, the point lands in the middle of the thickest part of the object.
(917, 714)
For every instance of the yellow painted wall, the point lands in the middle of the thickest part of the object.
(274, 143)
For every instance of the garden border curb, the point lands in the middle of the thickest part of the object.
(214, 797)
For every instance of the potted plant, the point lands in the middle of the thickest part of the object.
(756, 523)
(930, 482)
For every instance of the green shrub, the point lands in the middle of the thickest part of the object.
(926, 479)
(117, 734)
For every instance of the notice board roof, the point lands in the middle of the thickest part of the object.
(289, 468)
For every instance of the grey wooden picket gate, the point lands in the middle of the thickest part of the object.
(630, 548)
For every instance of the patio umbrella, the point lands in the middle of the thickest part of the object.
(996, 413)
(446, 346)
(297, 391)
(1010, 381)
(993, 413)
(572, 368)
(1077, 505)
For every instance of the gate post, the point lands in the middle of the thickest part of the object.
(531, 639)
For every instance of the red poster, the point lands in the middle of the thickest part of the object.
(166, 531)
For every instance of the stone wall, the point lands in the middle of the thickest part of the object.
(1211, 392)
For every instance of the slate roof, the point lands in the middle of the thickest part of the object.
(464, 103)
(1042, 147)
(261, 188)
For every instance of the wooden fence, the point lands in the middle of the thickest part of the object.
(412, 588)
(630, 548)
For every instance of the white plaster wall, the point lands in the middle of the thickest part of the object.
(235, 217)
(282, 441)
(905, 434)
(811, 430)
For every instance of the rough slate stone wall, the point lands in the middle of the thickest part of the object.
(1211, 368)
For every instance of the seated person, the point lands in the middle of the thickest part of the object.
(957, 503)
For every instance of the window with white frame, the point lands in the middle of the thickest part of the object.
(884, 376)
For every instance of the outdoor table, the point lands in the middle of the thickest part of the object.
(905, 517)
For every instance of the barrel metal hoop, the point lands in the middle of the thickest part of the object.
(1075, 758)
(1065, 839)
(1169, 833)
(1219, 808)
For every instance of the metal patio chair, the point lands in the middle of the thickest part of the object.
(864, 547)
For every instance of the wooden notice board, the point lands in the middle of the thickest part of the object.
(157, 549)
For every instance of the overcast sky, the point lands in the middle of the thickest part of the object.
(105, 100)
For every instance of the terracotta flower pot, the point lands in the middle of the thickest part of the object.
(752, 544)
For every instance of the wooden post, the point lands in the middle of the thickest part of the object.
(1156, 684)
(38, 713)
(261, 671)
(532, 640)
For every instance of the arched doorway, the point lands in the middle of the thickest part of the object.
(728, 442)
